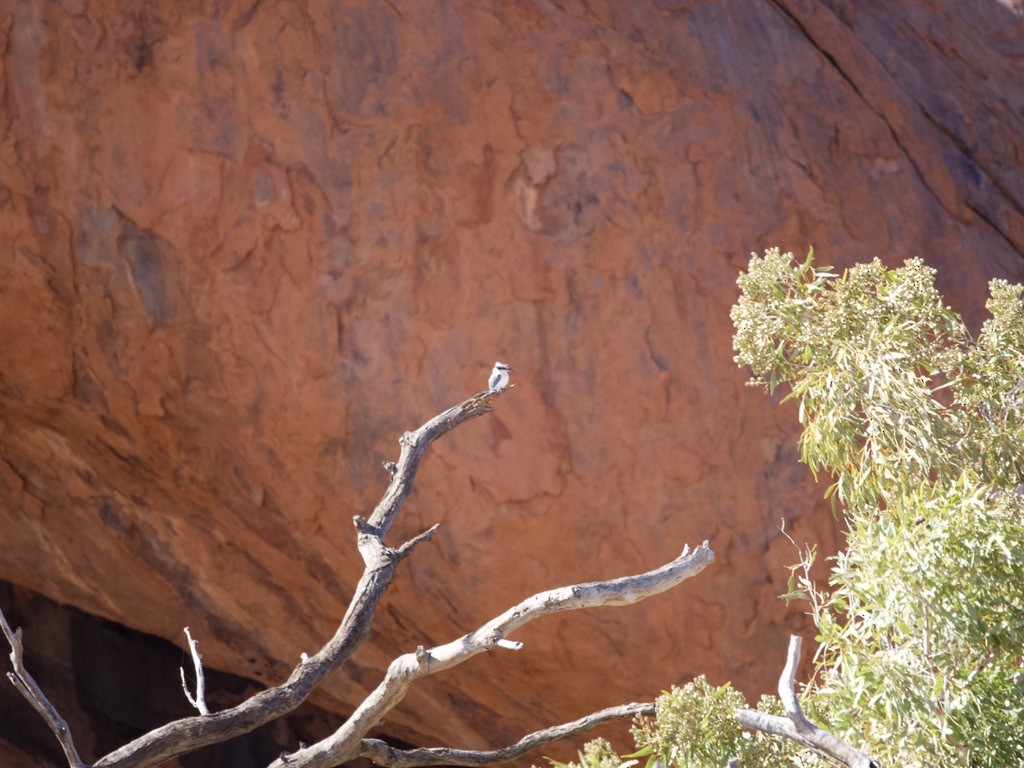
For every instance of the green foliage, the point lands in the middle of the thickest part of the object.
(921, 429)
(695, 726)
(921, 624)
(595, 754)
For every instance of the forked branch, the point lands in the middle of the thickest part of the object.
(191, 733)
(198, 701)
(796, 726)
(347, 742)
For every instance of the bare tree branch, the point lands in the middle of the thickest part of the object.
(796, 726)
(189, 734)
(28, 688)
(345, 743)
(385, 755)
(199, 701)
(414, 444)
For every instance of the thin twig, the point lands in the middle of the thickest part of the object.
(28, 688)
(406, 549)
(345, 743)
(796, 726)
(199, 702)
(385, 755)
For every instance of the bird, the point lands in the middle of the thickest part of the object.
(499, 377)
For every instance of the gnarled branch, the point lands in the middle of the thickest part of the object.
(187, 735)
(191, 733)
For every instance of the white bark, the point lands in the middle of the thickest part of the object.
(345, 743)
(796, 726)
(199, 700)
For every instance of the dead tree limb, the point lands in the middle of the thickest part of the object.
(198, 701)
(28, 688)
(386, 756)
(346, 743)
(191, 733)
(796, 726)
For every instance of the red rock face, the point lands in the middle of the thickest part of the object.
(246, 245)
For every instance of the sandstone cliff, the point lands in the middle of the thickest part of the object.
(244, 245)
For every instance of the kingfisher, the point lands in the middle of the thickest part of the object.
(499, 377)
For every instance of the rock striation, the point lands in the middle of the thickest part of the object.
(245, 245)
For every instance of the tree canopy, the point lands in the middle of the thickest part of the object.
(919, 428)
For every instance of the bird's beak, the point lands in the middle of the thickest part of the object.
(513, 370)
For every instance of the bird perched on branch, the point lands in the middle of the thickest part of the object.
(499, 377)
